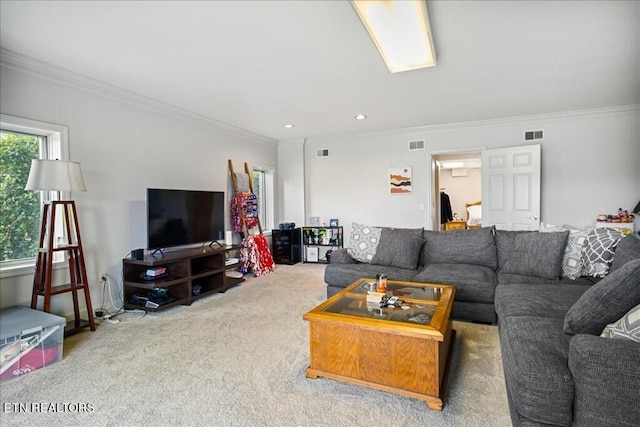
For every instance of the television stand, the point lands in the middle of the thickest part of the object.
(215, 242)
(191, 274)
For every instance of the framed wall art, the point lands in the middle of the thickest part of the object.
(400, 180)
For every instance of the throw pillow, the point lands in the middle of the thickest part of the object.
(628, 249)
(505, 239)
(476, 247)
(398, 248)
(626, 328)
(363, 242)
(537, 254)
(572, 261)
(549, 228)
(605, 302)
(597, 251)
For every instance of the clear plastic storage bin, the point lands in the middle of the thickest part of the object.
(29, 340)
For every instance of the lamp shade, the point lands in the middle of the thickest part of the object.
(55, 175)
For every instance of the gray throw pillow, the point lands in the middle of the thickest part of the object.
(537, 254)
(476, 247)
(627, 249)
(505, 239)
(605, 302)
(398, 248)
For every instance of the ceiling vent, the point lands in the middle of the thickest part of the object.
(416, 145)
(323, 152)
(533, 135)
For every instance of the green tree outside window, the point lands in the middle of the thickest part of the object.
(20, 209)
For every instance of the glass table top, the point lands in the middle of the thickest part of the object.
(416, 304)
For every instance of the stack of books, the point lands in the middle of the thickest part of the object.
(155, 273)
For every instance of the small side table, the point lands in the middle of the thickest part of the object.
(455, 225)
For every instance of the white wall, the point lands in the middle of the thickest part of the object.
(291, 183)
(590, 165)
(123, 149)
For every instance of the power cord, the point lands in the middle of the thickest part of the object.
(106, 314)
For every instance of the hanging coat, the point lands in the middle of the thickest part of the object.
(446, 214)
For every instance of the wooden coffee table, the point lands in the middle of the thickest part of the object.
(399, 350)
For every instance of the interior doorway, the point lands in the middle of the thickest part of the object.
(457, 178)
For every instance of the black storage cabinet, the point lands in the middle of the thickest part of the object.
(286, 246)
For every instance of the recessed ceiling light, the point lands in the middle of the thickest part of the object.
(288, 126)
(360, 117)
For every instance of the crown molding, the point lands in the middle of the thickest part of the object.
(66, 77)
(632, 108)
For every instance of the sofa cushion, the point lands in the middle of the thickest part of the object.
(598, 250)
(606, 301)
(399, 248)
(505, 239)
(534, 356)
(627, 249)
(626, 328)
(606, 375)
(340, 256)
(473, 312)
(363, 242)
(537, 254)
(342, 275)
(552, 301)
(474, 283)
(476, 247)
(507, 279)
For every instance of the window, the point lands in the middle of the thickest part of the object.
(263, 189)
(22, 140)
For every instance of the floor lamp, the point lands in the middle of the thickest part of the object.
(57, 175)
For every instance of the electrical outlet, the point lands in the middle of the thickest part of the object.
(102, 276)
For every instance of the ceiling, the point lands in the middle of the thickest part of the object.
(258, 65)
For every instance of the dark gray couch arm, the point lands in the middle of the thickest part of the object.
(341, 256)
(606, 374)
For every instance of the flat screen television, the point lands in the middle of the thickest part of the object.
(183, 217)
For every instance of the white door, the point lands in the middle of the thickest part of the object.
(435, 206)
(511, 188)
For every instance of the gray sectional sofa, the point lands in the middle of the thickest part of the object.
(475, 261)
(558, 370)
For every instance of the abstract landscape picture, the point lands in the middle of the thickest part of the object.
(400, 180)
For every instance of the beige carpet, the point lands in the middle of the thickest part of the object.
(239, 359)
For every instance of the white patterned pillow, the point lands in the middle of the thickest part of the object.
(363, 242)
(572, 262)
(627, 328)
(597, 251)
(572, 259)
